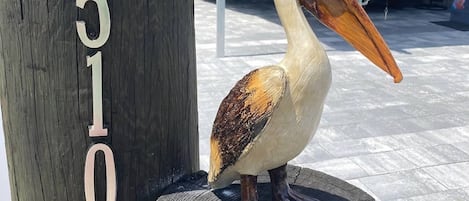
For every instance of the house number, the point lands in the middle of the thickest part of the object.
(97, 129)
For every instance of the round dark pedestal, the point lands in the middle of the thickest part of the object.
(306, 181)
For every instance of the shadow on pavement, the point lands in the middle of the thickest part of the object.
(402, 23)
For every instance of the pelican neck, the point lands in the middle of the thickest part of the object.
(296, 26)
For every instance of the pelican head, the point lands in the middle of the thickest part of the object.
(348, 19)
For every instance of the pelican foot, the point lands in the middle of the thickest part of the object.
(281, 191)
(249, 188)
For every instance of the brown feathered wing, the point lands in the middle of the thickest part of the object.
(242, 115)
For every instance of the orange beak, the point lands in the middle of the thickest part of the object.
(349, 20)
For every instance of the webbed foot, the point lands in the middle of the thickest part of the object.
(281, 191)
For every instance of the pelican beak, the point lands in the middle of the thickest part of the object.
(349, 20)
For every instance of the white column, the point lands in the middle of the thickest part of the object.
(4, 181)
(221, 28)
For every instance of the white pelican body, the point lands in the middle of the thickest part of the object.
(294, 122)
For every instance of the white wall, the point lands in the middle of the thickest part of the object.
(4, 182)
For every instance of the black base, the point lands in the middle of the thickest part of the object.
(307, 182)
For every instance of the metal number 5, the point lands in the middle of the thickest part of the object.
(104, 21)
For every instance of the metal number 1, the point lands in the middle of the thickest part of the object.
(95, 62)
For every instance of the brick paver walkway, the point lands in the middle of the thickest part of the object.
(399, 142)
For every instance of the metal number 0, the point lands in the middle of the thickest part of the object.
(111, 184)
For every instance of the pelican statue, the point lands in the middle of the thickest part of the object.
(272, 113)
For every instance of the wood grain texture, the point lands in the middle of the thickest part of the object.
(243, 114)
(306, 181)
(150, 101)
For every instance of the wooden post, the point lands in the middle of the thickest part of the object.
(149, 97)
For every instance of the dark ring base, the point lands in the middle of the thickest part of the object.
(305, 181)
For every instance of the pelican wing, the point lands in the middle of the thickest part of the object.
(242, 116)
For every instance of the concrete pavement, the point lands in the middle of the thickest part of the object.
(407, 141)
